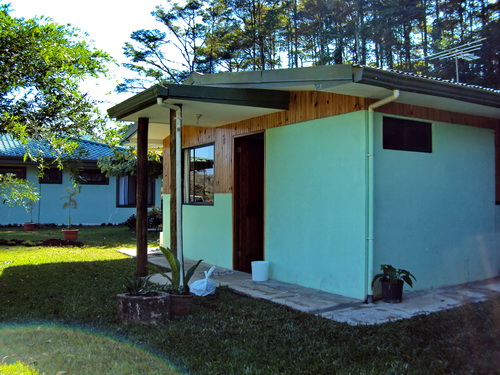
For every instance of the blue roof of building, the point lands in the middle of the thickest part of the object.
(13, 148)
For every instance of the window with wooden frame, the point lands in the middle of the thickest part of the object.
(19, 172)
(51, 176)
(406, 135)
(127, 190)
(199, 175)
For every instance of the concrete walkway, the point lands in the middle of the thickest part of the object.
(333, 306)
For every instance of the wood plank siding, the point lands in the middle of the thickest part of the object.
(305, 106)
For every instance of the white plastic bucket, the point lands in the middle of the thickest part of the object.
(260, 270)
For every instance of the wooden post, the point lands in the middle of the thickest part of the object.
(173, 182)
(142, 196)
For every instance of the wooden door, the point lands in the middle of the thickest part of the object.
(248, 225)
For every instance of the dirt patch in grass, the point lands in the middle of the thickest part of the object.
(49, 242)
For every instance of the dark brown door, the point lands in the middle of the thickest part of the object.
(248, 201)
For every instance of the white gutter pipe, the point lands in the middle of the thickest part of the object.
(178, 180)
(370, 191)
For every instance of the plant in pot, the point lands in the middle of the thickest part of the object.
(142, 304)
(180, 296)
(29, 226)
(392, 281)
(70, 203)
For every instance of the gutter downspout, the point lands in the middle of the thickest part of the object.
(178, 181)
(370, 191)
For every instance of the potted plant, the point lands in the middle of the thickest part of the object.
(71, 204)
(392, 281)
(142, 304)
(29, 226)
(180, 296)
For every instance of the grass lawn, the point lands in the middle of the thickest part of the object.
(53, 290)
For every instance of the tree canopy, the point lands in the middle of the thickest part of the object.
(42, 67)
(234, 35)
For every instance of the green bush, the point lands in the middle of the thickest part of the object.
(155, 219)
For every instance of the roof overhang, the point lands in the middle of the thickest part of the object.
(366, 82)
(218, 99)
(203, 106)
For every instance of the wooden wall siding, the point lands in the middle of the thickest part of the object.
(304, 106)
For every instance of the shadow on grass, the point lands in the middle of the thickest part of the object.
(57, 349)
(67, 291)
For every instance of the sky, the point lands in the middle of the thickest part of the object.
(109, 24)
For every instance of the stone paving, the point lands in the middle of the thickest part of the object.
(336, 307)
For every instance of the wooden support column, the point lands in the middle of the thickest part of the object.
(173, 182)
(142, 196)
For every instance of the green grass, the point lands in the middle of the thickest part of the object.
(230, 334)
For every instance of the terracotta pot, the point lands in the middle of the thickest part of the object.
(70, 234)
(181, 303)
(149, 310)
(392, 292)
(29, 227)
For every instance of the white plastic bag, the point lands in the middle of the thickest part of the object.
(203, 287)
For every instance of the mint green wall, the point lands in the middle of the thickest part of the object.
(436, 213)
(315, 204)
(96, 204)
(207, 230)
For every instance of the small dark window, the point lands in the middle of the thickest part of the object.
(126, 195)
(19, 172)
(407, 135)
(92, 177)
(199, 175)
(51, 176)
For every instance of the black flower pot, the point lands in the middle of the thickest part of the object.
(392, 292)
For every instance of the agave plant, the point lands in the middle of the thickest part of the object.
(138, 286)
(175, 270)
(392, 275)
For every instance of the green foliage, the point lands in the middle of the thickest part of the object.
(391, 274)
(154, 219)
(175, 272)
(70, 201)
(235, 35)
(43, 64)
(15, 191)
(123, 162)
(139, 286)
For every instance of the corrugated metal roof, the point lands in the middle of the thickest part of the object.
(13, 148)
(411, 74)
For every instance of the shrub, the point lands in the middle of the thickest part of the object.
(155, 219)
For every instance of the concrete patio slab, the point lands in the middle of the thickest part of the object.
(333, 306)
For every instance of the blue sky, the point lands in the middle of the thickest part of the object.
(109, 24)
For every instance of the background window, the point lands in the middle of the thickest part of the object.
(127, 191)
(199, 175)
(51, 176)
(407, 135)
(92, 177)
(19, 172)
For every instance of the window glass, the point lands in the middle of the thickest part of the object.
(92, 177)
(51, 176)
(126, 193)
(407, 135)
(199, 175)
(19, 172)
